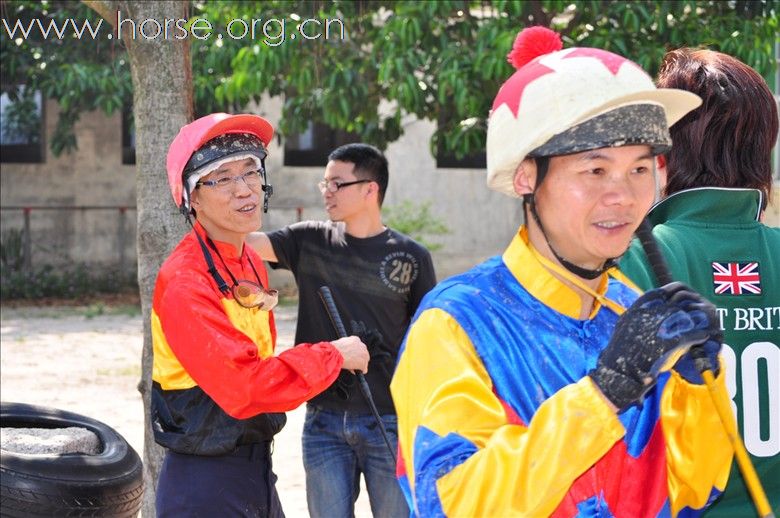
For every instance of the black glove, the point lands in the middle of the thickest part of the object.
(380, 357)
(649, 337)
(343, 385)
(372, 338)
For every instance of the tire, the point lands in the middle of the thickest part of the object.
(109, 483)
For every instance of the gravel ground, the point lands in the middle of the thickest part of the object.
(87, 360)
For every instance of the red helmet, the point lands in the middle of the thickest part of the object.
(195, 134)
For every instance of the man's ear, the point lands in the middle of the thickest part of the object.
(525, 177)
(373, 189)
(660, 169)
(194, 200)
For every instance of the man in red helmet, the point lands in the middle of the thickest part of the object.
(218, 390)
(539, 383)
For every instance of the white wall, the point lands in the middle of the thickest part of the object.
(481, 222)
(91, 175)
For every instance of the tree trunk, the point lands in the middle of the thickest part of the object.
(162, 103)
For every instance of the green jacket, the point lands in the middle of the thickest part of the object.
(712, 240)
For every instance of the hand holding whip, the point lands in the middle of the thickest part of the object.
(335, 318)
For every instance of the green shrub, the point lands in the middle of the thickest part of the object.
(12, 249)
(416, 221)
(67, 283)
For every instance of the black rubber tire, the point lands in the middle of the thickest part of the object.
(73, 484)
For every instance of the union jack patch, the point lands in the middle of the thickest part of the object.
(736, 278)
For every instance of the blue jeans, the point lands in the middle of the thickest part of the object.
(337, 447)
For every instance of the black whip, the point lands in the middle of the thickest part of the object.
(654, 256)
(338, 325)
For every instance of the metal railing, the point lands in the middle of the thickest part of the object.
(121, 229)
(27, 210)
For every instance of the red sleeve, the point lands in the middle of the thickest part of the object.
(224, 362)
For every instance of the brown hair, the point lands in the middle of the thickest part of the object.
(728, 140)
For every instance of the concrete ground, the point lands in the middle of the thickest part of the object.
(88, 360)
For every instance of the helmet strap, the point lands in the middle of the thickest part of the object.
(186, 204)
(212, 269)
(268, 190)
(542, 166)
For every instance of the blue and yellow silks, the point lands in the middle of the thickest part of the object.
(498, 418)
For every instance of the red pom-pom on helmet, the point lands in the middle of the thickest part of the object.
(532, 43)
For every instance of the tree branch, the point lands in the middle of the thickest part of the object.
(105, 8)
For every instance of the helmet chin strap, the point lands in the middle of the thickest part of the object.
(212, 269)
(543, 164)
(579, 271)
(268, 189)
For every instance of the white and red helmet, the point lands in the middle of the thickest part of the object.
(556, 91)
(185, 165)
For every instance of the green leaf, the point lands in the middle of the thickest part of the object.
(460, 58)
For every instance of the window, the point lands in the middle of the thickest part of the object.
(312, 147)
(128, 136)
(21, 126)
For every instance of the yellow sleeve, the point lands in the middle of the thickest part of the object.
(698, 451)
(463, 455)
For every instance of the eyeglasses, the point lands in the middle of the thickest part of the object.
(334, 186)
(251, 295)
(252, 179)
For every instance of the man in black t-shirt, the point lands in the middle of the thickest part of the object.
(378, 277)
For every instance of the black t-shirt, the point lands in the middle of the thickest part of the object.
(378, 281)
